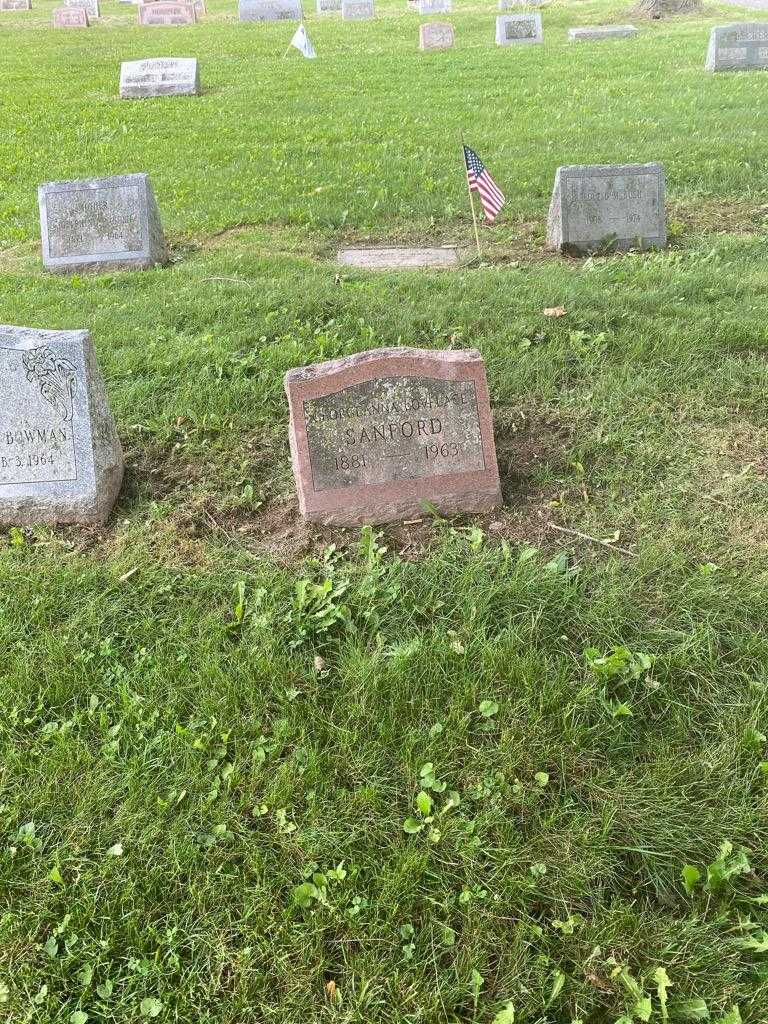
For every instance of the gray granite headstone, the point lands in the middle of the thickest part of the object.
(514, 29)
(328, 6)
(100, 224)
(357, 10)
(505, 5)
(269, 10)
(159, 76)
(607, 206)
(60, 457)
(595, 33)
(434, 7)
(399, 259)
(738, 47)
(15, 5)
(91, 7)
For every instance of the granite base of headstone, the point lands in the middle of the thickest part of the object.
(100, 224)
(596, 33)
(161, 13)
(269, 10)
(386, 434)
(399, 258)
(436, 35)
(159, 76)
(15, 5)
(357, 10)
(517, 29)
(91, 7)
(607, 207)
(738, 47)
(70, 17)
(60, 456)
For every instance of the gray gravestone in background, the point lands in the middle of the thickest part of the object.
(595, 33)
(739, 47)
(91, 7)
(619, 206)
(100, 224)
(60, 457)
(512, 29)
(328, 6)
(505, 5)
(434, 7)
(15, 5)
(70, 17)
(160, 76)
(400, 258)
(357, 10)
(269, 10)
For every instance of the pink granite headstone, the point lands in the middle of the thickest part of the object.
(15, 5)
(70, 17)
(435, 35)
(385, 434)
(164, 13)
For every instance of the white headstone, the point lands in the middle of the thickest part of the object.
(357, 10)
(514, 29)
(434, 7)
(269, 10)
(159, 76)
(328, 6)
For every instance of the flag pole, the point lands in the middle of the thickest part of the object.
(471, 200)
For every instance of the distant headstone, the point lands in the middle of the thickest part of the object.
(15, 5)
(60, 457)
(376, 435)
(159, 76)
(436, 35)
(269, 10)
(328, 6)
(738, 47)
(505, 5)
(512, 29)
(70, 17)
(611, 206)
(356, 10)
(595, 33)
(398, 259)
(100, 224)
(164, 12)
(434, 7)
(91, 7)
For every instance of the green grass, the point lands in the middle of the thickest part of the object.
(194, 738)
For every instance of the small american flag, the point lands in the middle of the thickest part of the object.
(481, 182)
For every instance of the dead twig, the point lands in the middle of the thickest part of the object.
(235, 280)
(593, 540)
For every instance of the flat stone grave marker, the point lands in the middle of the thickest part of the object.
(612, 206)
(376, 435)
(505, 5)
(357, 10)
(738, 47)
(399, 258)
(100, 224)
(162, 12)
(436, 35)
(434, 7)
(513, 29)
(595, 33)
(328, 6)
(159, 76)
(15, 5)
(91, 7)
(60, 457)
(70, 17)
(269, 10)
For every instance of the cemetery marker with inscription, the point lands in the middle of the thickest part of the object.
(60, 457)
(376, 435)
(399, 259)
(328, 6)
(159, 76)
(357, 10)
(162, 12)
(595, 33)
(100, 224)
(436, 35)
(91, 7)
(607, 206)
(70, 17)
(15, 5)
(515, 29)
(269, 10)
(739, 47)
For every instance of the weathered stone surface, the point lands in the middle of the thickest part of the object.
(376, 435)
(513, 29)
(163, 12)
(738, 47)
(269, 10)
(15, 5)
(398, 259)
(436, 35)
(357, 10)
(159, 76)
(100, 224)
(60, 457)
(70, 17)
(91, 7)
(328, 6)
(505, 5)
(434, 7)
(594, 33)
(608, 206)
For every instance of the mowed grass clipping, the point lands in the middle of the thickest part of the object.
(482, 771)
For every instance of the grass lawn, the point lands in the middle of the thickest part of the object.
(252, 771)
